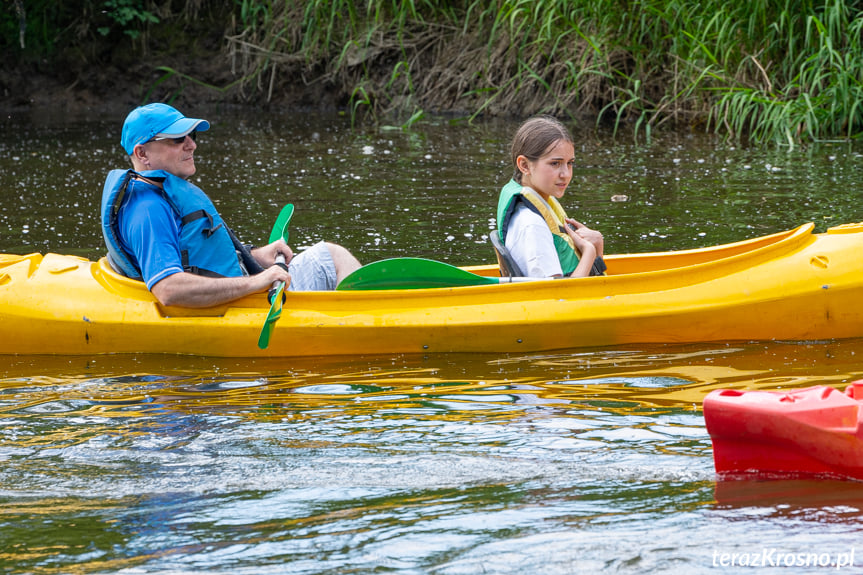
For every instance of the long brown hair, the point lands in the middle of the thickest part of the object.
(535, 137)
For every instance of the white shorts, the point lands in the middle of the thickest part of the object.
(313, 270)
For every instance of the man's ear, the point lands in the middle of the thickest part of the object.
(139, 156)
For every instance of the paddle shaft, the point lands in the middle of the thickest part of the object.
(276, 292)
(278, 285)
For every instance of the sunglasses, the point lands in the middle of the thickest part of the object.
(179, 140)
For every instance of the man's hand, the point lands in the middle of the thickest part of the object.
(266, 255)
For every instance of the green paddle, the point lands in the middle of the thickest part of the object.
(280, 230)
(417, 273)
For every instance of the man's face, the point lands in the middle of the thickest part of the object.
(173, 155)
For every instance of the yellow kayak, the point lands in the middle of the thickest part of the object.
(793, 285)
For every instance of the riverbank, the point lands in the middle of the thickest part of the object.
(110, 89)
(767, 72)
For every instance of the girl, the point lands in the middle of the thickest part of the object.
(542, 240)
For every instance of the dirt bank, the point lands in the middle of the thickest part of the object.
(114, 90)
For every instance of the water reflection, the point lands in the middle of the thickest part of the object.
(621, 406)
(445, 463)
(808, 499)
(648, 377)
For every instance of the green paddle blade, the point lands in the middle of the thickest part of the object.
(412, 273)
(272, 316)
(280, 230)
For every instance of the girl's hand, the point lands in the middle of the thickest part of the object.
(587, 255)
(581, 242)
(584, 232)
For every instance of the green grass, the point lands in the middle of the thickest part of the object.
(780, 71)
(772, 71)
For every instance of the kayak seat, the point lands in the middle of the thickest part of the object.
(114, 267)
(508, 267)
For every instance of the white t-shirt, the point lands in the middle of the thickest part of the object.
(531, 244)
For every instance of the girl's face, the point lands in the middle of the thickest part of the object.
(551, 173)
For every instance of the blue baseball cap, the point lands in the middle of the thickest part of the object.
(157, 121)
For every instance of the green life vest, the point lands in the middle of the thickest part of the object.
(514, 193)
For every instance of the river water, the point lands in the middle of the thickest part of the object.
(581, 461)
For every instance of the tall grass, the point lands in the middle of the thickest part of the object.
(784, 71)
(816, 92)
(772, 70)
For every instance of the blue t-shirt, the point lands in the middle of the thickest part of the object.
(150, 234)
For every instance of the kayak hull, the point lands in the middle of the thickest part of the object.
(794, 285)
(803, 432)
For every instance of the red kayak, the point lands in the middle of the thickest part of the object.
(803, 432)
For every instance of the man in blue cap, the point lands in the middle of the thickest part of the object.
(164, 230)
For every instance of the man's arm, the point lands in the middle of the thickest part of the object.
(190, 290)
(152, 230)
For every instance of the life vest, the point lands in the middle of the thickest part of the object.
(551, 211)
(207, 246)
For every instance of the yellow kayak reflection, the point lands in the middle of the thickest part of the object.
(647, 379)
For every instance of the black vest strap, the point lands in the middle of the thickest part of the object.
(247, 260)
(197, 215)
(184, 256)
